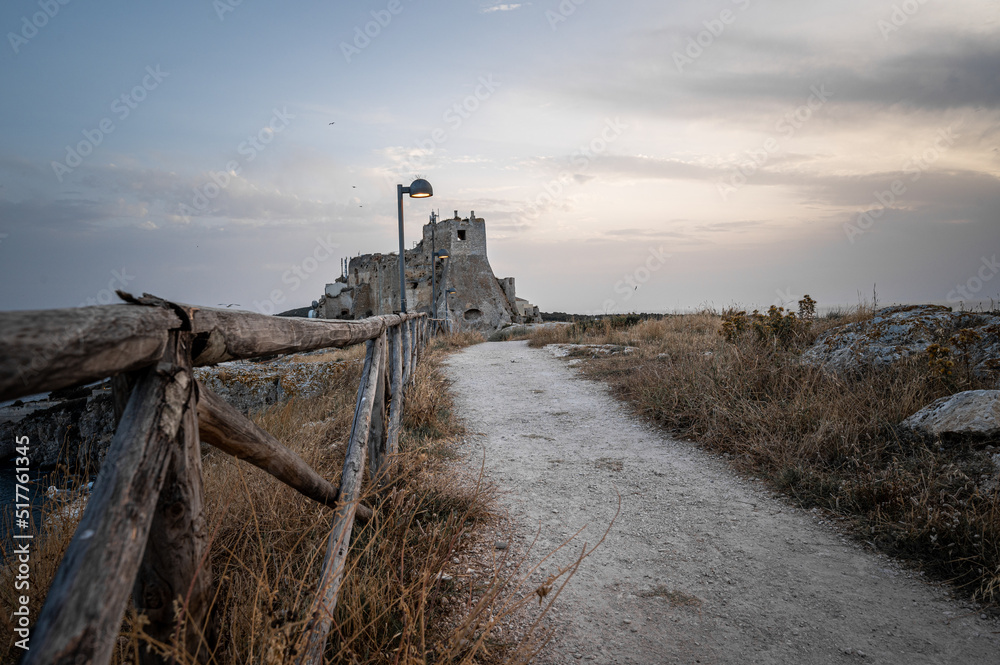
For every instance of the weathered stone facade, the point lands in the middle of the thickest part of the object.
(480, 302)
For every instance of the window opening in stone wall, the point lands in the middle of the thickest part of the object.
(461, 234)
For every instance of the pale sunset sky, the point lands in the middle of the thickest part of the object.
(635, 155)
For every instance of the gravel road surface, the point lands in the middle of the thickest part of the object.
(701, 566)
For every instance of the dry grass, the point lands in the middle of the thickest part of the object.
(457, 340)
(397, 605)
(356, 352)
(826, 440)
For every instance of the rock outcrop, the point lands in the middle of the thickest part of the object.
(970, 415)
(895, 333)
(73, 432)
(251, 386)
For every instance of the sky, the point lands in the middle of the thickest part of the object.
(635, 155)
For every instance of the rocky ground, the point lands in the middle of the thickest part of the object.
(71, 427)
(901, 331)
(700, 566)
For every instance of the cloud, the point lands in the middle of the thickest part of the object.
(941, 74)
(741, 226)
(59, 215)
(943, 196)
(501, 8)
(936, 191)
(761, 75)
(640, 166)
(116, 196)
(643, 233)
(691, 231)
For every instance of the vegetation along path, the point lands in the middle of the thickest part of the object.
(701, 566)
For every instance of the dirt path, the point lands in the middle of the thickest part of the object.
(701, 566)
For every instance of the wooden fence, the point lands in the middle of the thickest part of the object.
(143, 530)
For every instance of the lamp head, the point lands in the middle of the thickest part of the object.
(441, 254)
(451, 292)
(420, 189)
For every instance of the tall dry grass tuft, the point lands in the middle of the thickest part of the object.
(60, 517)
(457, 340)
(826, 440)
(396, 605)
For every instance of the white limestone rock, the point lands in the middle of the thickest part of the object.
(973, 414)
(895, 333)
(251, 386)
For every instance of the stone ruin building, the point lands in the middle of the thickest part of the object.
(480, 300)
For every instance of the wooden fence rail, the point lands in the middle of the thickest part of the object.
(143, 531)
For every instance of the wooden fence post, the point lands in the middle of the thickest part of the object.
(419, 350)
(376, 437)
(396, 390)
(313, 640)
(404, 328)
(144, 527)
(83, 610)
(413, 352)
(121, 389)
(423, 334)
(176, 563)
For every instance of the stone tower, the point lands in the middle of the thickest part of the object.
(480, 302)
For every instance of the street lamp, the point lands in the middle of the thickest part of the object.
(418, 189)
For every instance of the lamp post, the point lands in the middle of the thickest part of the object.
(418, 189)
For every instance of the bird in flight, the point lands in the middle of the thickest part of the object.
(333, 123)
(232, 304)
